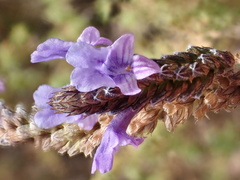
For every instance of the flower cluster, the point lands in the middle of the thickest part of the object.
(98, 63)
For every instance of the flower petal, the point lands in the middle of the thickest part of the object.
(51, 49)
(43, 94)
(103, 41)
(127, 84)
(84, 55)
(48, 118)
(91, 35)
(88, 79)
(88, 122)
(121, 51)
(143, 67)
(114, 137)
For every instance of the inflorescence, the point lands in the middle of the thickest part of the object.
(115, 97)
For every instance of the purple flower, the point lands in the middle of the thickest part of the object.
(57, 49)
(2, 86)
(47, 118)
(111, 66)
(99, 66)
(114, 137)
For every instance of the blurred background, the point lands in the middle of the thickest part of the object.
(207, 149)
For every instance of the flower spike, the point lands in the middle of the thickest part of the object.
(115, 97)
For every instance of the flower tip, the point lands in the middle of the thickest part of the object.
(33, 57)
(91, 28)
(101, 171)
(128, 37)
(131, 92)
(93, 171)
(102, 167)
(52, 48)
(91, 35)
(144, 67)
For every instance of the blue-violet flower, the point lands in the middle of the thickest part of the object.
(56, 48)
(114, 137)
(111, 66)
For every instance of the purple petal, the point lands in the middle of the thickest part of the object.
(127, 84)
(48, 118)
(88, 122)
(91, 35)
(121, 52)
(103, 41)
(51, 49)
(144, 67)
(114, 137)
(84, 55)
(43, 94)
(88, 79)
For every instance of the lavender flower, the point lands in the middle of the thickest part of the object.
(114, 137)
(57, 49)
(47, 118)
(2, 86)
(95, 67)
(97, 64)
(112, 66)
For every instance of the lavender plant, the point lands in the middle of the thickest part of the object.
(115, 97)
